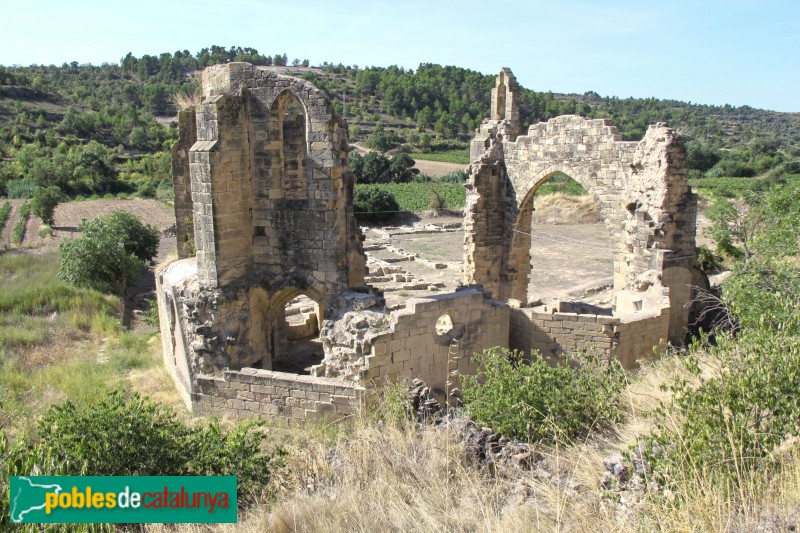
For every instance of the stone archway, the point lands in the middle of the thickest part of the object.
(520, 257)
(640, 187)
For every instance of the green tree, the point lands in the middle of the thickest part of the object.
(374, 205)
(378, 140)
(112, 252)
(44, 202)
(402, 168)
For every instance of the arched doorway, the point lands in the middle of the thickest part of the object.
(561, 221)
(285, 327)
(570, 248)
(297, 346)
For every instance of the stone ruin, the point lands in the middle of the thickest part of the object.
(271, 317)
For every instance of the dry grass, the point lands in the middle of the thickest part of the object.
(560, 208)
(366, 476)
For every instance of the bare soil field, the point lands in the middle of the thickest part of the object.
(437, 168)
(572, 253)
(569, 260)
(70, 214)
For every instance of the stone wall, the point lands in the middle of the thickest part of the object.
(416, 348)
(252, 393)
(641, 335)
(627, 338)
(640, 189)
(556, 333)
(181, 183)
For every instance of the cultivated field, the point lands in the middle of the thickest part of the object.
(70, 214)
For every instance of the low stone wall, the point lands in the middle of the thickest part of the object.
(413, 348)
(252, 393)
(554, 333)
(639, 333)
(624, 337)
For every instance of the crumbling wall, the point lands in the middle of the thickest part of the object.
(265, 161)
(626, 338)
(432, 338)
(557, 333)
(640, 189)
(182, 183)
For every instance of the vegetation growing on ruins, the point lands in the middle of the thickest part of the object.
(718, 423)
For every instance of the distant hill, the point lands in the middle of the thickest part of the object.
(113, 122)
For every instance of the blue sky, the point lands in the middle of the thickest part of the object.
(714, 52)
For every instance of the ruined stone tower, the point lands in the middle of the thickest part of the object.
(264, 197)
(263, 192)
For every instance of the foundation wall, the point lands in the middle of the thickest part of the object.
(640, 335)
(555, 333)
(626, 338)
(253, 393)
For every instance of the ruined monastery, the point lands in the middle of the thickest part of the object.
(264, 196)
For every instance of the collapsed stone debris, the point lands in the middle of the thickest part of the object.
(264, 197)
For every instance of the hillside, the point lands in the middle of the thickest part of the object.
(105, 129)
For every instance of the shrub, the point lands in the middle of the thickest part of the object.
(764, 293)
(45, 231)
(378, 140)
(112, 252)
(374, 205)
(538, 401)
(725, 421)
(146, 189)
(416, 197)
(20, 188)
(459, 177)
(18, 233)
(707, 260)
(44, 202)
(115, 437)
(5, 212)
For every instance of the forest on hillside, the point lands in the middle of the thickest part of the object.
(100, 130)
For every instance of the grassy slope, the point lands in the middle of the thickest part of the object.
(58, 342)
